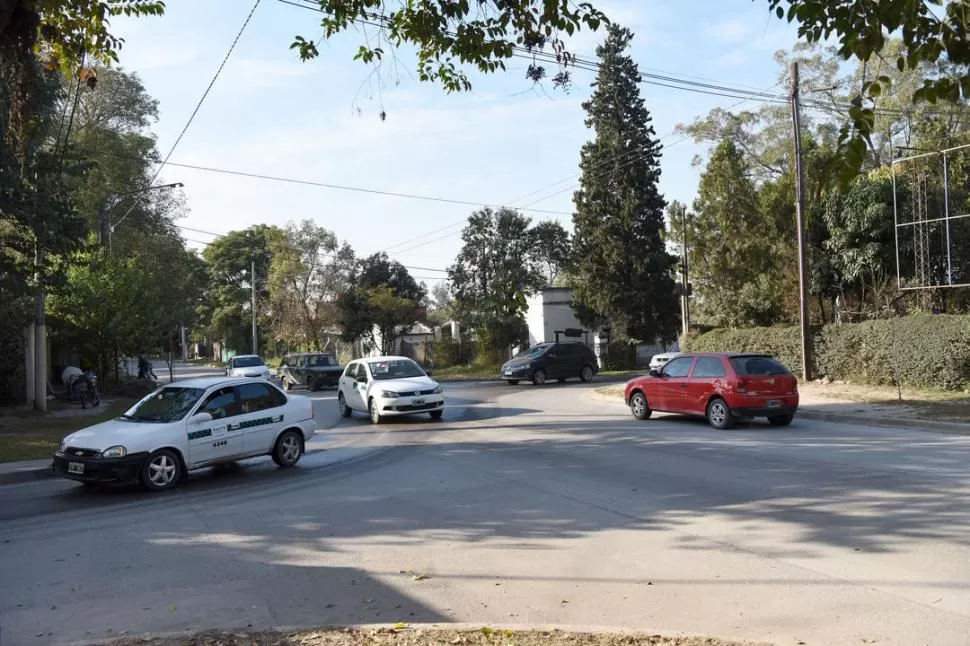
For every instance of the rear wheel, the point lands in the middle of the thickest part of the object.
(719, 415)
(512, 382)
(287, 384)
(288, 449)
(781, 420)
(587, 374)
(639, 406)
(539, 377)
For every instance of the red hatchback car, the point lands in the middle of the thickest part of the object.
(720, 386)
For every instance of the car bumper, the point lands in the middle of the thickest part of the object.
(100, 470)
(406, 406)
(517, 373)
(758, 407)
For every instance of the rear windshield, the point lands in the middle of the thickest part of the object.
(757, 366)
(317, 360)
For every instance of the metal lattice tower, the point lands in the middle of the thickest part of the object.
(921, 232)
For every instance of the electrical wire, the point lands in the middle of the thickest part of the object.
(198, 106)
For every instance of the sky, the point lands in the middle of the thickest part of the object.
(506, 142)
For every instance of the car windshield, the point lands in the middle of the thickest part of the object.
(394, 369)
(757, 366)
(167, 404)
(317, 360)
(535, 350)
(247, 362)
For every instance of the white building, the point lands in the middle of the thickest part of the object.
(551, 311)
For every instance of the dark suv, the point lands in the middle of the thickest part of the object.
(311, 369)
(552, 361)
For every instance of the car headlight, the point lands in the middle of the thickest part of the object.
(525, 366)
(389, 394)
(437, 390)
(114, 452)
(63, 446)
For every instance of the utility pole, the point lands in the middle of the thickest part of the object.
(252, 280)
(40, 335)
(800, 226)
(684, 280)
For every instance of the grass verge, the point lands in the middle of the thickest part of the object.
(32, 435)
(467, 372)
(410, 637)
(927, 403)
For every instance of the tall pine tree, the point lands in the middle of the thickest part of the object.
(623, 273)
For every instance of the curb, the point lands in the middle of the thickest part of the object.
(26, 475)
(406, 627)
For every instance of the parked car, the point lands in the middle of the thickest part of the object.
(247, 365)
(388, 386)
(187, 425)
(658, 361)
(719, 386)
(544, 361)
(314, 370)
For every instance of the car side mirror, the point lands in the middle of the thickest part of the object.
(362, 379)
(201, 418)
(655, 373)
(427, 372)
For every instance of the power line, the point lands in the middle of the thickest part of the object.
(198, 106)
(340, 187)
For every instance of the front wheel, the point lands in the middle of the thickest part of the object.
(288, 449)
(587, 374)
(781, 420)
(375, 412)
(345, 410)
(436, 414)
(719, 415)
(539, 377)
(639, 407)
(162, 470)
(287, 384)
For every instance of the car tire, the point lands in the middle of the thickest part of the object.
(781, 420)
(587, 374)
(719, 414)
(288, 449)
(436, 414)
(161, 471)
(287, 384)
(345, 410)
(512, 382)
(372, 410)
(539, 377)
(639, 407)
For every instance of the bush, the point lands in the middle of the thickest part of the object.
(448, 352)
(12, 372)
(929, 350)
(620, 356)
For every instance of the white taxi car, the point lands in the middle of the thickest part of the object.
(187, 425)
(386, 386)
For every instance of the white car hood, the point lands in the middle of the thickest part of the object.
(251, 371)
(114, 432)
(407, 385)
(665, 355)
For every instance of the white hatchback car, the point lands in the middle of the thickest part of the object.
(386, 386)
(187, 425)
(247, 365)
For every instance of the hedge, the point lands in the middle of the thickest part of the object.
(930, 350)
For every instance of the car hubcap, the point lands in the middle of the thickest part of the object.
(373, 411)
(291, 448)
(540, 377)
(342, 404)
(587, 374)
(717, 413)
(638, 405)
(162, 471)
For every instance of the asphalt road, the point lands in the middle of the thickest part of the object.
(527, 505)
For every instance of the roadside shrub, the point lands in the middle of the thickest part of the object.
(448, 352)
(929, 350)
(12, 372)
(620, 356)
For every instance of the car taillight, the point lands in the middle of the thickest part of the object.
(742, 386)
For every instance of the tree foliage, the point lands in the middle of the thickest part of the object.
(495, 270)
(622, 270)
(553, 248)
(382, 303)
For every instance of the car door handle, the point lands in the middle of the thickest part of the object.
(683, 385)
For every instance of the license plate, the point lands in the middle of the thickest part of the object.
(508, 373)
(774, 403)
(75, 467)
(417, 402)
